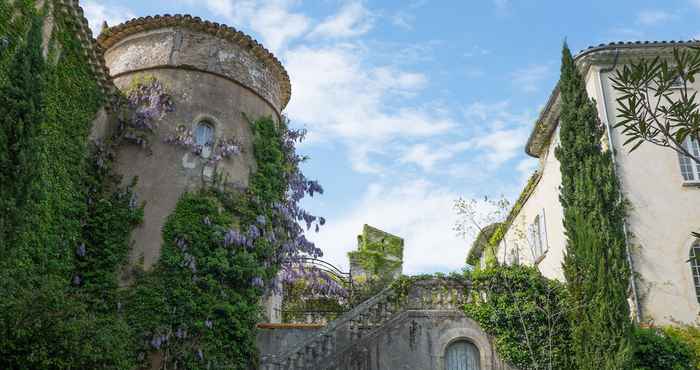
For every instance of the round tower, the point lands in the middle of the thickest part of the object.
(215, 77)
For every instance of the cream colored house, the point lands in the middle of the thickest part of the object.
(663, 191)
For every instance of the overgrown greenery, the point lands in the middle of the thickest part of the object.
(690, 336)
(656, 350)
(595, 264)
(65, 223)
(526, 313)
(64, 234)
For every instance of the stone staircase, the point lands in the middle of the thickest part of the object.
(342, 334)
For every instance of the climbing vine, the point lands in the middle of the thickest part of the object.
(64, 234)
(526, 313)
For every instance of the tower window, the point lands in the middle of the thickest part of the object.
(204, 137)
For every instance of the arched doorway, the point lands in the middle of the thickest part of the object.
(462, 355)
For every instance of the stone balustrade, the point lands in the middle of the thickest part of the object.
(342, 333)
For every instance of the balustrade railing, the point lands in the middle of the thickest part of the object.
(367, 317)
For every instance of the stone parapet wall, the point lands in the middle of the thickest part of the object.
(186, 42)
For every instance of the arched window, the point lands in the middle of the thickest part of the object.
(695, 267)
(204, 137)
(462, 355)
(689, 169)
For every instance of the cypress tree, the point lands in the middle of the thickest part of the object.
(595, 264)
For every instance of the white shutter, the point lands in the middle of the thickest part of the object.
(544, 242)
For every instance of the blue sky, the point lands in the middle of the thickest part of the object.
(411, 104)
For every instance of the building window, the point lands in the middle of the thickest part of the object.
(204, 137)
(462, 355)
(537, 237)
(695, 267)
(689, 168)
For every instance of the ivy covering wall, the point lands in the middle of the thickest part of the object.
(65, 222)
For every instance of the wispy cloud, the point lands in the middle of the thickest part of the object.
(352, 20)
(97, 13)
(339, 95)
(275, 21)
(530, 78)
(418, 211)
(652, 17)
(426, 156)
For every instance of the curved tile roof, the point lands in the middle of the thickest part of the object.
(112, 35)
(545, 124)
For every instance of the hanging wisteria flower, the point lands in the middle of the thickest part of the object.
(261, 220)
(257, 282)
(146, 103)
(80, 251)
(208, 323)
(233, 237)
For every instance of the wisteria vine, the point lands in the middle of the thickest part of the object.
(145, 102)
(224, 148)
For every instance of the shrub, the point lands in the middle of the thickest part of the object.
(656, 350)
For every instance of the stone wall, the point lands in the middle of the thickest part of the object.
(418, 339)
(210, 78)
(275, 338)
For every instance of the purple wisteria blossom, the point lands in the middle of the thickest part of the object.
(81, 250)
(257, 282)
(145, 104)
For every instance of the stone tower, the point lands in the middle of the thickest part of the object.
(215, 74)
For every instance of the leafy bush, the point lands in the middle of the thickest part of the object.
(656, 350)
(690, 335)
(526, 313)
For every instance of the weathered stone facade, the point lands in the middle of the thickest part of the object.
(393, 330)
(215, 75)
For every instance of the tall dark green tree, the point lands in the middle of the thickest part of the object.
(595, 264)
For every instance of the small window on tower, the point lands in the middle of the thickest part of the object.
(204, 138)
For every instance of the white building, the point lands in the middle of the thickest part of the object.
(662, 189)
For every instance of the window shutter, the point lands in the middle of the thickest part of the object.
(543, 231)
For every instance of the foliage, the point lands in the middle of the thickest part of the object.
(656, 350)
(481, 243)
(199, 306)
(379, 254)
(526, 313)
(66, 222)
(595, 264)
(467, 210)
(657, 103)
(688, 334)
(57, 263)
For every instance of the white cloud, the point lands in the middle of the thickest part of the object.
(502, 145)
(426, 156)
(338, 95)
(418, 211)
(352, 20)
(530, 78)
(96, 13)
(654, 17)
(526, 167)
(274, 20)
